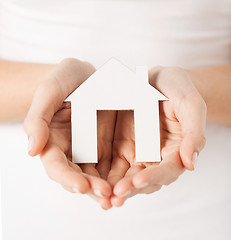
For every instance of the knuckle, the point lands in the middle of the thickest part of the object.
(82, 68)
(70, 61)
(77, 63)
(89, 66)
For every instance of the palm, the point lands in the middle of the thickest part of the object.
(60, 144)
(124, 166)
(60, 131)
(51, 136)
(116, 150)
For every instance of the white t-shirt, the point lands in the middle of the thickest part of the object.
(154, 32)
(188, 33)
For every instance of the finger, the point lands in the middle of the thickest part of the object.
(103, 201)
(118, 170)
(150, 188)
(117, 201)
(105, 134)
(123, 146)
(124, 187)
(49, 97)
(193, 131)
(163, 174)
(58, 169)
(99, 186)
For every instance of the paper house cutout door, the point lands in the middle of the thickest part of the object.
(115, 87)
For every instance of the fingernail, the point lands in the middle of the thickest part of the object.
(194, 159)
(143, 185)
(30, 143)
(127, 193)
(75, 189)
(98, 193)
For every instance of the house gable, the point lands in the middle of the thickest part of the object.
(117, 82)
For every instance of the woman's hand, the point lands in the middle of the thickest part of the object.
(48, 127)
(182, 129)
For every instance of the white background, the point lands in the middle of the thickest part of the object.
(187, 33)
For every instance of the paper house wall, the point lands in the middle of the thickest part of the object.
(115, 87)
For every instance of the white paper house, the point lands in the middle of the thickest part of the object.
(115, 87)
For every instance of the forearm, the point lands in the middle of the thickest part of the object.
(18, 82)
(214, 85)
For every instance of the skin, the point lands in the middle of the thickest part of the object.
(85, 178)
(117, 176)
(49, 131)
(18, 82)
(179, 139)
(214, 85)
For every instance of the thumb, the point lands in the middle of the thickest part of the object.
(190, 147)
(189, 109)
(47, 100)
(38, 132)
(193, 125)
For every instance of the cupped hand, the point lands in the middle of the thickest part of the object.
(48, 127)
(182, 130)
(182, 125)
